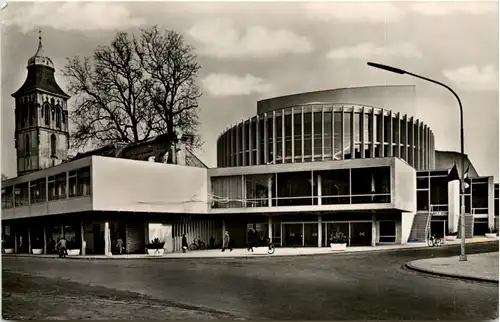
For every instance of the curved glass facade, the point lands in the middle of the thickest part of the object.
(319, 132)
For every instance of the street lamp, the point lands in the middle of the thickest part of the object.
(391, 69)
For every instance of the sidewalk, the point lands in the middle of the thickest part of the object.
(478, 267)
(261, 251)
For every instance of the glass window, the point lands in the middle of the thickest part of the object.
(83, 180)
(297, 135)
(395, 129)
(270, 139)
(423, 200)
(38, 191)
(423, 183)
(387, 128)
(261, 141)
(347, 135)
(279, 138)
(288, 136)
(387, 231)
(227, 192)
(257, 191)
(496, 207)
(317, 134)
(337, 135)
(480, 195)
(372, 185)
(294, 188)
(334, 186)
(368, 124)
(307, 134)
(7, 197)
(328, 134)
(358, 130)
(439, 190)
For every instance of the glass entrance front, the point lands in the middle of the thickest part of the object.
(361, 234)
(311, 234)
(332, 228)
(292, 234)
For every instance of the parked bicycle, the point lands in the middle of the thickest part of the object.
(266, 242)
(197, 245)
(434, 241)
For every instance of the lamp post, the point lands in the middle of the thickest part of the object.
(391, 69)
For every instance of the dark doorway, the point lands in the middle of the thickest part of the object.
(361, 234)
(98, 235)
(438, 228)
(480, 228)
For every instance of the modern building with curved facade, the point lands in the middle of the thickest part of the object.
(306, 166)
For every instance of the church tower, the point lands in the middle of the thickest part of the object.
(41, 114)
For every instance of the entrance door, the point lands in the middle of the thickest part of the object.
(361, 234)
(311, 234)
(292, 235)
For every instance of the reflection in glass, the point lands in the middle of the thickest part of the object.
(317, 134)
(297, 135)
(337, 136)
(257, 191)
(288, 138)
(334, 186)
(347, 135)
(328, 134)
(307, 134)
(294, 189)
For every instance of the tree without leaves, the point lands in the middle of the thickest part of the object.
(172, 69)
(134, 89)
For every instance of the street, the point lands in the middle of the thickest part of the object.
(334, 287)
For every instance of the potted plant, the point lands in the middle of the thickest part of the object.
(72, 248)
(8, 246)
(451, 236)
(155, 248)
(37, 246)
(338, 241)
(492, 234)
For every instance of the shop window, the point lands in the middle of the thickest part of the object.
(387, 231)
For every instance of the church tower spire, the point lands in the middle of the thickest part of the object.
(41, 114)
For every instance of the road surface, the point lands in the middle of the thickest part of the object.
(322, 287)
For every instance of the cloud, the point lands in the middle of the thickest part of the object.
(362, 12)
(474, 78)
(73, 16)
(220, 39)
(369, 50)
(454, 7)
(229, 85)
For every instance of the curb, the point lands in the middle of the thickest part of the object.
(342, 253)
(411, 267)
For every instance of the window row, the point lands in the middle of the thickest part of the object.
(304, 134)
(71, 184)
(345, 186)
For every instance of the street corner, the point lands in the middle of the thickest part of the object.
(478, 267)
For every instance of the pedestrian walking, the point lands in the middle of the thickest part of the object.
(119, 244)
(251, 239)
(184, 243)
(226, 243)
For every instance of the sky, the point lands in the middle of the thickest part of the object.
(251, 51)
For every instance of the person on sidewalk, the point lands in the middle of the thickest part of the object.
(184, 243)
(226, 243)
(212, 242)
(251, 239)
(119, 244)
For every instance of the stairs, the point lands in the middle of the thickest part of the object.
(419, 226)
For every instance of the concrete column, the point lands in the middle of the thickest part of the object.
(374, 230)
(107, 246)
(453, 205)
(270, 228)
(270, 190)
(29, 240)
(44, 240)
(320, 231)
(82, 232)
(491, 203)
(319, 189)
(15, 242)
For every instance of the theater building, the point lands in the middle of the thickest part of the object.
(305, 166)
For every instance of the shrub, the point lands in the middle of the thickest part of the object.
(339, 238)
(155, 244)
